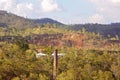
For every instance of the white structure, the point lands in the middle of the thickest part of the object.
(60, 54)
(40, 54)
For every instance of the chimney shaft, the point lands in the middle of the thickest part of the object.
(55, 64)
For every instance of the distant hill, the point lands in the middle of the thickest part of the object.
(47, 20)
(12, 20)
(112, 29)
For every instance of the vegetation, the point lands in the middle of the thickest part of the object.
(11, 20)
(87, 55)
(77, 64)
(104, 29)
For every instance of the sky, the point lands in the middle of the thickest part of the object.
(66, 11)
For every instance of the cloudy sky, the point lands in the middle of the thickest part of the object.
(66, 11)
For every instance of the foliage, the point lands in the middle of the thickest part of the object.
(87, 55)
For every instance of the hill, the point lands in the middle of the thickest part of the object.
(47, 20)
(12, 20)
(112, 29)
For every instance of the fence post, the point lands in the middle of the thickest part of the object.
(55, 64)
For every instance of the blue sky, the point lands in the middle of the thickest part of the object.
(66, 11)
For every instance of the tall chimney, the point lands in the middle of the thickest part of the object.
(55, 64)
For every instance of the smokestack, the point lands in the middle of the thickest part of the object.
(55, 64)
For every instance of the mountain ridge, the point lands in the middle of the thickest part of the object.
(12, 20)
(47, 20)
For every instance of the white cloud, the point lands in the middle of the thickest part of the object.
(106, 11)
(7, 5)
(109, 9)
(96, 18)
(115, 1)
(23, 9)
(49, 6)
(104, 1)
(29, 9)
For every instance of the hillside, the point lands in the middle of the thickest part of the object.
(112, 29)
(47, 20)
(45, 36)
(26, 54)
(12, 20)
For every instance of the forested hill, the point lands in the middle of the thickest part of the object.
(47, 20)
(12, 20)
(112, 29)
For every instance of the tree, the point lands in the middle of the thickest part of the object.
(23, 45)
(83, 30)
